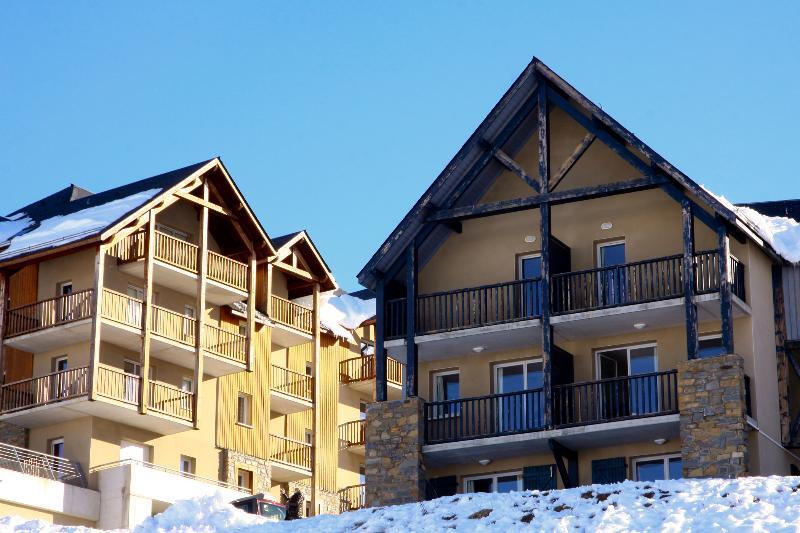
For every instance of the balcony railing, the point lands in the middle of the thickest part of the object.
(183, 255)
(227, 344)
(173, 326)
(352, 434)
(291, 314)
(574, 404)
(289, 451)
(584, 290)
(363, 369)
(352, 498)
(292, 383)
(117, 385)
(49, 313)
(170, 400)
(168, 470)
(41, 465)
(44, 390)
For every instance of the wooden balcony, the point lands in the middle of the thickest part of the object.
(290, 459)
(50, 323)
(352, 498)
(294, 323)
(352, 436)
(290, 391)
(175, 266)
(64, 395)
(359, 374)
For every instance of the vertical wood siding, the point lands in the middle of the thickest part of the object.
(23, 289)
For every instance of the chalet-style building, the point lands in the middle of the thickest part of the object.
(158, 345)
(573, 309)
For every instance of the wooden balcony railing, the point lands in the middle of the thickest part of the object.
(118, 385)
(352, 498)
(44, 390)
(291, 314)
(173, 326)
(170, 400)
(292, 383)
(121, 308)
(363, 369)
(289, 451)
(49, 313)
(225, 343)
(352, 434)
(182, 254)
(574, 404)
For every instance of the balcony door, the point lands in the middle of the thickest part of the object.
(64, 305)
(519, 410)
(626, 388)
(529, 267)
(134, 311)
(611, 281)
(60, 384)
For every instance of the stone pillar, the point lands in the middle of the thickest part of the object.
(13, 435)
(713, 423)
(394, 470)
(230, 460)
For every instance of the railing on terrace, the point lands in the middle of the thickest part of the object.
(183, 255)
(352, 498)
(49, 313)
(363, 369)
(44, 390)
(41, 465)
(225, 343)
(170, 400)
(352, 434)
(121, 308)
(291, 314)
(118, 385)
(172, 325)
(573, 404)
(289, 451)
(292, 383)
(168, 470)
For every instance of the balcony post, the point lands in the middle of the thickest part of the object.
(380, 349)
(687, 213)
(544, 235)
(3, 313)
(725, 305)
(316, 462)
(200, 315)
(147, 309)
(97, 309)
(269, 290)
(411, 386)
(251, 311)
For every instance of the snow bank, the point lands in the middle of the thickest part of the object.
(782, 233)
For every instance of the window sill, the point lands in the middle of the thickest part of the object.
(248, 426)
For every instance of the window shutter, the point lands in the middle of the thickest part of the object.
(541, 477)
(441, 486)
(609, 470)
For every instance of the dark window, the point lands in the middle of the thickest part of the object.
(609, 470)
(541, 477)
(441, 486)
(710, 347)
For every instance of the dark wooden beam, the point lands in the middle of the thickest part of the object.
(516, 168)
(380, 350)
(411, 387)
(454, 226)
(781, 353)
(725, 302)
(576, 154)
(569, 475)
(544, 233)
(679, 196)
(688, 279)
(533, 202)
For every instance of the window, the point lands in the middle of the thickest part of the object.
(446, 387)
(64, 288)
(187, 464)
(520, 411)
(244, 478)
(710, 346)
(188, 323)
(507, 482)
(362, 410)
(134, 310)
(60, 363)
(172, 232)
(635, 396)
(243, 409)
(64, 306)
(655, 468)
(309, 436)
(362, 474)
(611, 281)
(243, 328)
(309, 368)
(56, 447)
(132, 369)
(529, 267)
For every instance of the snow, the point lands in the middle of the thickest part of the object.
(341, 313)
(744, 504)
(782, 233)
(63, 229)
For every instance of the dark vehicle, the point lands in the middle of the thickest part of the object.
(257, 504)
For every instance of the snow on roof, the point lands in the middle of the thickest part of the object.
(782, 233)
(341, 313)
(240, 309)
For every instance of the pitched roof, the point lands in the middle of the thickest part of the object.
(283, 239)
(519, 97)
(777, 208)
(288, 241)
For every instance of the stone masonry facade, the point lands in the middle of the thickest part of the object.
(394, 468)
(262, 471)
(14, 435)
(328, 501)
(713, 424)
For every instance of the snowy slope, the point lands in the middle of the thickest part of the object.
(746, 504)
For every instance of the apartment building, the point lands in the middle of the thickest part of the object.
(157, 345)
(573, 309)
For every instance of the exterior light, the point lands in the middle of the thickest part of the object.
(640, 325)
(484, 462)
(530, 238)
(478, 349)
(660, 441)
(606, 225)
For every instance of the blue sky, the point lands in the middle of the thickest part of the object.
(335, 116)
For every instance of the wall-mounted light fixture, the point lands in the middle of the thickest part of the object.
(530, 238)
(606, 226)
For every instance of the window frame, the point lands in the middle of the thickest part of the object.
(247, 410)
(648, 458)
(628, 349)
(522, 257)
(706, 337)
(192, 464)
(497, 366)
(239, 472)
(468, 480)
(52, 443)
(598, 257)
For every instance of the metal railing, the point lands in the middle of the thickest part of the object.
(170, 400)
(352, 498)
(44, 390)
(188, 475)
(363, 369)
(49, 313)
(225, 343)
(41, 465)
(292, 314)
(289, 451)
(292, 383)
(352, 434)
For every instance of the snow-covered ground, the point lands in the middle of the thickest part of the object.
(746, 504)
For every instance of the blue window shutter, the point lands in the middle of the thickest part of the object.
(542, 477)
(609, 470)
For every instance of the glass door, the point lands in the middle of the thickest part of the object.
(134, 311)
(524, 411)
(529, 267)
(621, 392)
(611, 281)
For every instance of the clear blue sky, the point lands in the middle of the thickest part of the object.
(335, 116)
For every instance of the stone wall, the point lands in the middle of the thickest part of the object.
(14, 435)
(328, 501)
(711, 397)
(395, 473)
(262, 471)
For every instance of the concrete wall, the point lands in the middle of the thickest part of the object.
(39, 498)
